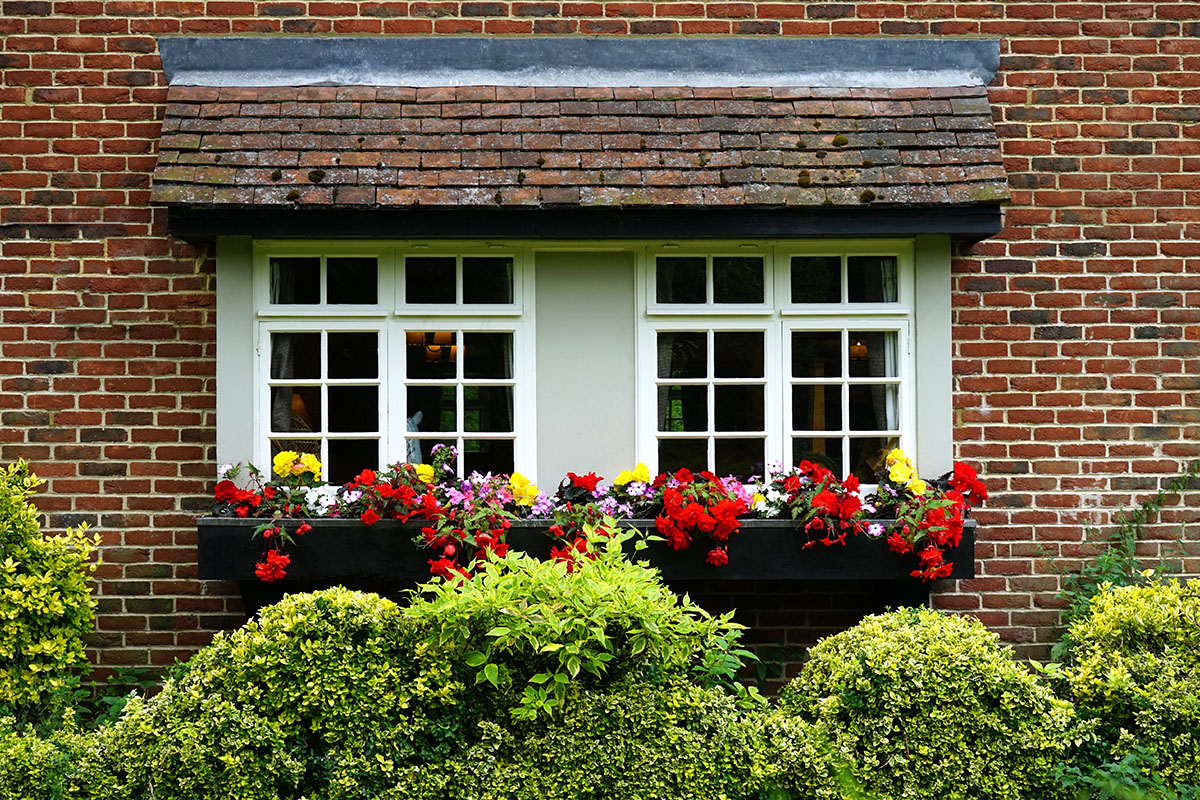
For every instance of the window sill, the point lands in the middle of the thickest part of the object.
(346, 551)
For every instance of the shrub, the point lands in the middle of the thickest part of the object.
(46, 604)
(1135, 679)
(923, 705)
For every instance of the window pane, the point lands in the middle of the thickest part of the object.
(817, 408)
(354, 409)
(874, 408)
(873, 354)
(676, 453)
(296, 281)
(817, 354)
(487, 455)
(348, 457)
(295, 355)
(488, 408)
(871, 279)
(351, 280)
(827, 452)
(738, 408)
(354, 355)
(739, 457)
(738, 279)
(681, 279)
(816, 279)
(432, 408)
(682, 354)
(868, 454)
(738, 354)
(297, 446)
(683, 408)
(430, 355)
(487, 280)
(429, 280)
(295, 408)
(487, 355)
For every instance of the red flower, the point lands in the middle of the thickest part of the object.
(365, 478)
(717, 557)
(826, 501)
(303, 529)
(684, 476)
(898, 544)
(369, 517)
(586, 482)
(443, 567)
(226, 492)
(273, 569)
(966, 481)
(851, 484)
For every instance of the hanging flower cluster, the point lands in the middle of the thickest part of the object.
(465, 521)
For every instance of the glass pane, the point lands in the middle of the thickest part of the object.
(431, 408)
(420, 451)
(676, 453)
(487, 280)
(683, 408)
(738, 279)
(354, 355)
(488, 408)
(738, 408)
(816, 279)
(739, 457)
(296, 281)
(873, 354)
(868, 454)
(354, 409)
(430, 355)
(871, 279)
(351, 281)
(429, 280)
(738, 354)
(681, 279)
(295, 408)
(295, 355)
(348, 457)
(682, 354)
(487, 455)
(487, 355)
(817, 354)
(297, 446)
(827, 452)
(817, 408)
(874, 408)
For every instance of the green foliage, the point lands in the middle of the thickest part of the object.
(631, 742)
(1135, 678)
(1134, 777)
(533, 629)
(46, 604)
(1117, 563)
(919, 705)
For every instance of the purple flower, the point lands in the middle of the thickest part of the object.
(875, 530)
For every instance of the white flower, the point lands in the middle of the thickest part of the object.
(224, 470)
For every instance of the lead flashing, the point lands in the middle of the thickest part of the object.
(578, 62)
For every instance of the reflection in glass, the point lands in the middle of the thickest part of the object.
(816, 354)
(738, 279)
(430, 355)
(676, 453)
(296, 281)
(871, 279)
(738, 354)
(354, 409)
(351, 281)
(487, 355)
(487, 455)
(487, 280)
(868, 454)
(817, 408)
(825, 451)
(742, 457)
(873, 354)
(682, 354)
(354, 354)
(738, 408)
(348, 457)
(816, 279)
(296, 446)
(429, 279)
(432, 408)
(295, 355)
(295, 408)
(683, 408)
(488, 409)
(681, 279)
(874, 408)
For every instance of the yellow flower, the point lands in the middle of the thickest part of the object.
(524, 493)
(757, 498)
(900, 472)
(288, 463)
(424, 472)
(640, 473)
(309, 463)
(623, 477)
(897, 456)
(917, 486)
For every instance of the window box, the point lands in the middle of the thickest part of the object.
(383, 555)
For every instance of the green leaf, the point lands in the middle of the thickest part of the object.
(475, 659)
(492, 673)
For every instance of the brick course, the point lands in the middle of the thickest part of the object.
(1076, 330)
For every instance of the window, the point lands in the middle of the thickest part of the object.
(545, 357)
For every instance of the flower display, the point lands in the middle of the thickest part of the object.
(465, 521)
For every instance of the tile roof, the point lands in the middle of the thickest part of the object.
(528, 147)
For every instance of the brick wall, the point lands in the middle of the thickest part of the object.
(1077, 334)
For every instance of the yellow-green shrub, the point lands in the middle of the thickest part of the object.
(922, 706)
(46, 604)
(1135, 676)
